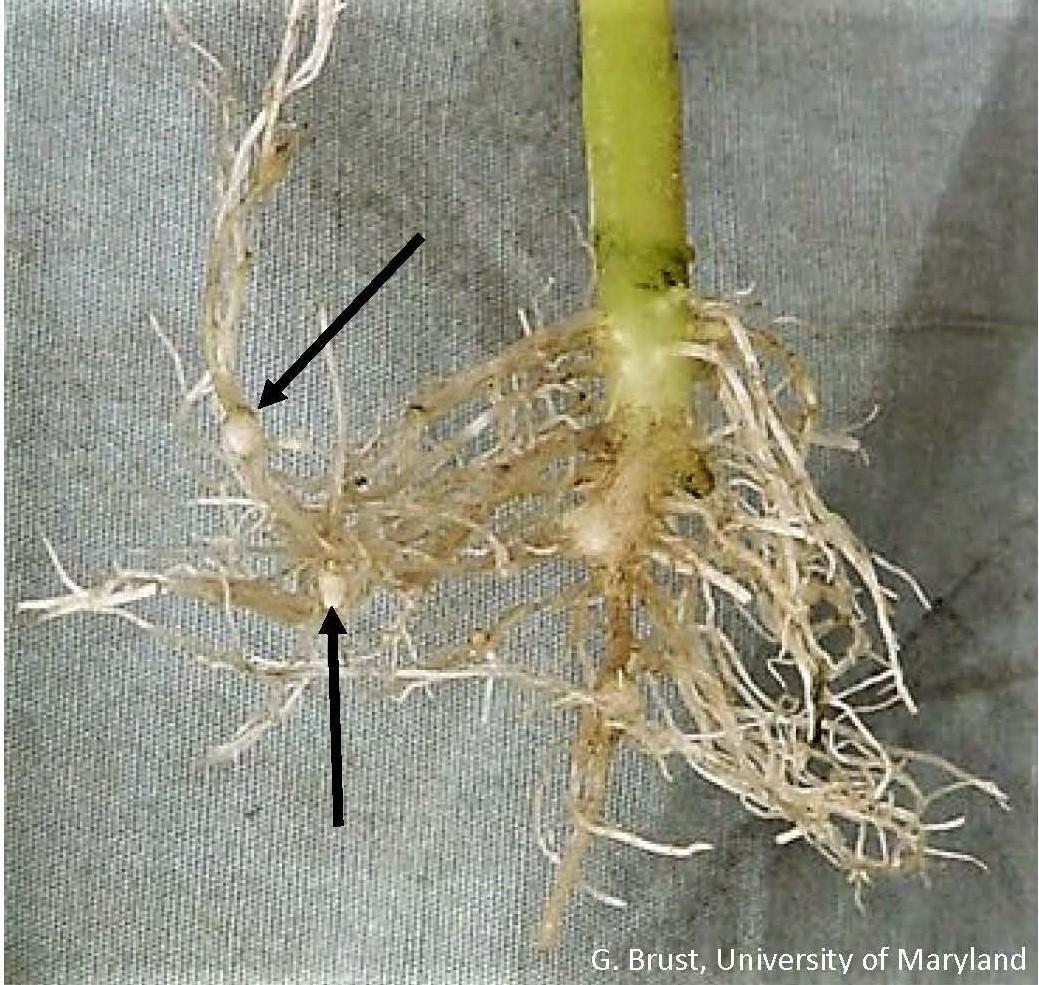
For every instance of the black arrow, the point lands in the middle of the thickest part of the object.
(332, 626)
(274, 393)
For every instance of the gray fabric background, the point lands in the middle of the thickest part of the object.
(867, 164)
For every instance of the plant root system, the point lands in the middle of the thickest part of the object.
(717, 613)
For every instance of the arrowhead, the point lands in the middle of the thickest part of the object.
(272, 394)
(331, 624)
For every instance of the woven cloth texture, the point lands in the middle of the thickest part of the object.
(869, 165)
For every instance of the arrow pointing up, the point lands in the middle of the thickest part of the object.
(332, 626)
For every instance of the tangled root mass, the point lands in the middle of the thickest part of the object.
(716, 613)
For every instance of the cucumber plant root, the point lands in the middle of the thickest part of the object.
(646, 455)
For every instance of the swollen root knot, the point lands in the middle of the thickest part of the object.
(243, 438)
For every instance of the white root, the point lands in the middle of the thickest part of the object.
(108, 598)
(643, 844)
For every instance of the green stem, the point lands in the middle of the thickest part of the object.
(633, 143)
